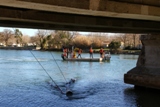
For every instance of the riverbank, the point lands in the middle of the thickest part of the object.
(120, 51)
(20, 48)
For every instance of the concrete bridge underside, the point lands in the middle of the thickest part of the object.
(121, 16)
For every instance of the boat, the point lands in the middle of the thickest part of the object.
(106, 58)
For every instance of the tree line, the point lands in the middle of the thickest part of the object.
(49, 39)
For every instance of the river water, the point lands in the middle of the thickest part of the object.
(25, 83)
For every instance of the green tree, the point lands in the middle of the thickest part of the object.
(114, 45)
(18, 35)
(42, 34)
(49, 41)
(64, 38)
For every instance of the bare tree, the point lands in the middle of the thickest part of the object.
(134, 40)
(7, 34)
(97, 39)
(82, 42)
(129, 40)
(1, 37)
(35, 40)
(26, 39)
(123, 38)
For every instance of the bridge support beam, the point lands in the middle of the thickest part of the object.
(147, 71)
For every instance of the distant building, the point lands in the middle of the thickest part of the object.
(122, 45)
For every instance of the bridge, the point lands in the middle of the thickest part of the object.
(121, 16)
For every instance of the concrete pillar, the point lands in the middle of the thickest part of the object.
(147, 71)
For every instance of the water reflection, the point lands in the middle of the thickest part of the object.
(130, 97)
(142, 97)
(148, 98)
(123, 56)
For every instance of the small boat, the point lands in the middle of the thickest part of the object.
(106, 58)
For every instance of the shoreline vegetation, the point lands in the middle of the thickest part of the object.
(118, 51)
(45, 40)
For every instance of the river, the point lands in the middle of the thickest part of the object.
(24, 81)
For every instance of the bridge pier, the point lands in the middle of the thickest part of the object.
(147, 71)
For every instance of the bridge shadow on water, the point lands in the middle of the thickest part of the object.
(143, 97)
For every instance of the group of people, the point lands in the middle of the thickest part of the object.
(101, 51)
(72, 53)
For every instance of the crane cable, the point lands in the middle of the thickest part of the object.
(59, 68)
(47, 73)
(68, 91)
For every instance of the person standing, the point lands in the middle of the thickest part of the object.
(74, 54)
(91, 52)
(64, 55)
(101, 51)
(79, 53)
(67, 52)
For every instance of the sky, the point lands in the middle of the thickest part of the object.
(32, 32)
(29, 32)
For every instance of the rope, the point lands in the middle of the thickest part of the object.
(47, 73)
